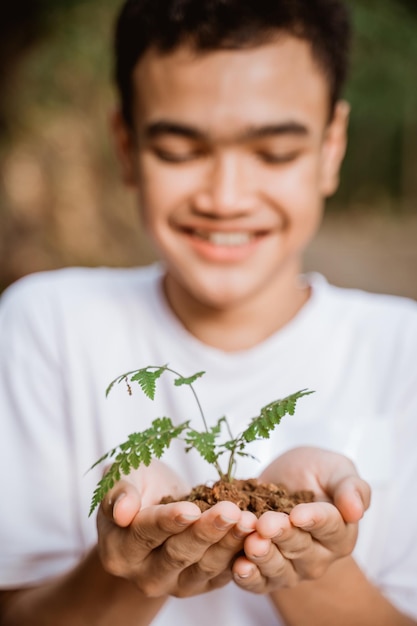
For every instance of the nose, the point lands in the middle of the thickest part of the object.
(226, 190)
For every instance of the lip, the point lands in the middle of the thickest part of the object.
(223, 245)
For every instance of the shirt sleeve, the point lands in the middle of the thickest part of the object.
(398, 568)
(38, 529)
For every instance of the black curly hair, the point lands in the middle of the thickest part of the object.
(208, 25)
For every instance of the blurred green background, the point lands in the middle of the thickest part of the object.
(61, 201)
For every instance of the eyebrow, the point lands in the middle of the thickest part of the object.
(166, 127)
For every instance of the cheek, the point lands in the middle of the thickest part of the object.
(300, 201)
(295, 190)
(161, 182)
(155, 193)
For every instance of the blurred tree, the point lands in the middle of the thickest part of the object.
(382, 158)
(385, 58)
(18, 29)
(23, 24)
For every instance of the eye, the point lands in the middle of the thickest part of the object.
(177, 156)
(277, 158)
(173, 148)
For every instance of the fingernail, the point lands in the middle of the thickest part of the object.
(186, 520)
(358, 499)
(241, 533)
(222, 523)
(118, 499)
(243, 575)
(307, 525)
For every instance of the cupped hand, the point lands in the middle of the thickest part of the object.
(331, 476)
(169, 549)
(286, 549)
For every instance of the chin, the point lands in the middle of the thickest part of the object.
(220, 298)
(214, 288)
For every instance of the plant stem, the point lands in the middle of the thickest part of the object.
(230, 465)
(200, 408)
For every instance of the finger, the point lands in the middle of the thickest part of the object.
(134, 552)
(227, 547)
(215, 564)
(352, 496)
(290, 544)
(308, 558)
(273, 524)
(250, 577)
(165, 567)
(247, 576)
(325, 524)
(155, 524)
(122, 503)
(330, 475)
(187, 549)
(289, 558)
(149, 529)
(346, 489)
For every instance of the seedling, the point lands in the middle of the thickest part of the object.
(141, 448)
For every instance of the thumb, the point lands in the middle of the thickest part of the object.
(352, 497)
(122, 503)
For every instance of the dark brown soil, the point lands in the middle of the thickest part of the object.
(249, 495)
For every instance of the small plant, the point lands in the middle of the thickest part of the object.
(141, 447)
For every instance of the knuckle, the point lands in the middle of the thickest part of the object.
(220, 580)
(316, 571)
(280, 572)
(176, 559)
(334, 530)
(112, 565)
(295, 551)
(207, 569)
(251, 586)
(180, 592)
(151, 588)
(293, 554)
(142, 538)
(347, 548)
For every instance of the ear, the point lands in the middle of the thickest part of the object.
(123, 141)
(334, 148)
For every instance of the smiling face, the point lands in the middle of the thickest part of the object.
(232, 156)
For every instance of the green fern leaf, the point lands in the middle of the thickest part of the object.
(271, 415)
(250, 433)
(113, 382)
(138, 449)
(125, 465)
(147, 380)
(188, 381)
(104, 485)
(204, 443)
(103, 458)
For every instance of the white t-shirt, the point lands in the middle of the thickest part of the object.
(65, 335)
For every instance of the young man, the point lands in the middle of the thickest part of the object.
(231, 131)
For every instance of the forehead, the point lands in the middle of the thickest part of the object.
(229, 88)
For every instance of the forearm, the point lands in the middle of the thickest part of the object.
(343, 596)
(87, 596)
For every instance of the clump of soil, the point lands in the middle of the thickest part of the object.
(248, 495)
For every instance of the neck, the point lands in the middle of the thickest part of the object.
(245, 324)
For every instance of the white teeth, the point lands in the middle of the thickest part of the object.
(226, 239)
